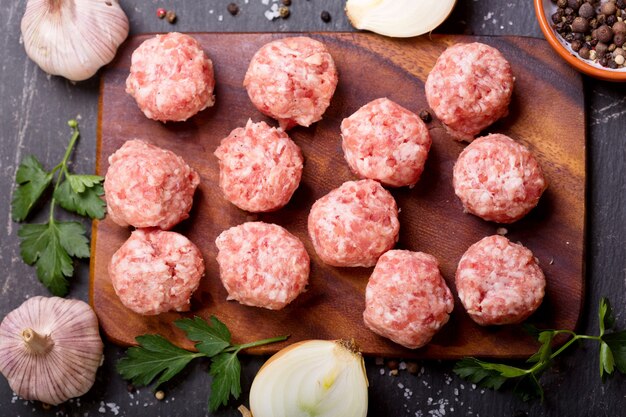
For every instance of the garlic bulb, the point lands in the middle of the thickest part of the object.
(73, 38)
(398, 18)
(314, 378)
(50, 349)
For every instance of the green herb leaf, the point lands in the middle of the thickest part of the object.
(154, 356)
(605, 314)
(32, 181)
(49, 247)
(81, 182)
(545, 350)
(528, 388)
(86, 203)
(607, 363)
(211, 338)
(226, 372)
(616, 342)
(473, 370)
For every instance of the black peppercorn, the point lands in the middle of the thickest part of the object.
(569, 37)
(608, 8)
(584, 52)
(612, 64)
(287, 2)
(579, 36)
(570, 19)
(593, 23)
(603, 61)
(576, 45)
(619, 39)
(601, 49)
(574, 4)
(170, 16)
(232, 9)
(561, 4)
(556, 17)
(586, 10)
(425, 116)
(569, 11)
(605, 34)
(593, 42)
(325, 16)
(580, 25)
(619, 27)
(284, 12)
(621, 4)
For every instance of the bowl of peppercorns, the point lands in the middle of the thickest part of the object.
(589, 34)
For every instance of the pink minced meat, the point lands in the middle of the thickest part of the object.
(260, 167)
(171, 77)
(262, 265)
(156, 271)
(406, 299)
(499, 282)
(292, 80)
(384, 141)
(469, 88)
(146, 186)
(498, 179)
(354, 224)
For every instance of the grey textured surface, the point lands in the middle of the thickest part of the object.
(33, 114)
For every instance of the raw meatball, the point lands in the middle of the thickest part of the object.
(156, 271)
(146, 186)
(406, 299)
(171, 77)
(469, 88)
(262, 265)
(499, 282)
(260, 167)
(383, 141)
(354, 224)
(498, 179)
(292, 80)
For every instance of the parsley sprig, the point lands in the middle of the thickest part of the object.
(157, 358)
(525, 381)
(51, 246)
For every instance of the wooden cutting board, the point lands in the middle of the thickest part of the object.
(546, 113)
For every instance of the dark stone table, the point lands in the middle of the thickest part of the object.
(34, 109)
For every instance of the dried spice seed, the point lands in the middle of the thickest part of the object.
(605, 34)
(325, 16)
(425, 116)
(608, 8)
(576, 45)
(574, 4)
(601, 49)
(233, 9)
(619, 39)
(619, 60)
(561, 4)
(612, 64)
(159, 395)
(392, 364)
(584, 52)
(161, 12)
(619, 27)
(556, 17)
(580, 25)
(412, 367)
(586, 10)
(170, 16)
(286, 2)
(611, 20)
(284, 12)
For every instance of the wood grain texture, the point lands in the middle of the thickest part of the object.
(432, 219)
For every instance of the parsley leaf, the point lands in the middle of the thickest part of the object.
(544, 352)
(226, 372)
(607, 363)
(616, 342)
(32, 181)
(81, 182)
(605, 314)
(154, 356)
(49, 247)
(472, 370)
(212, 339)
(86, 203)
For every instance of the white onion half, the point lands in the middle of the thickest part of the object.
(398, 18)
(314, 378)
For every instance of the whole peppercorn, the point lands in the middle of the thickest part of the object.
(619, 27)
(325, 16)
(611, 20)
(574, 4)
(608, 8)
(576, 45)
(612, 64)
(561, 4)
(584, 52)
(161, 12)
(603, 61)
(569, 37)
(580, 25)
(170, 16)
(621, 4)
(619, 51)
(605, 34)
(570, 19)
(556, 16)
(619, 39)
(569, 11)
(601, 19)
(593, 23)
(579, 36)
(233, 9)
(425, 116)
(284, 12)
(601, 49)
(586, 10)
(287, 2)
(619, 60)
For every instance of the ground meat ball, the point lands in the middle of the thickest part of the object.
(498, 179)
(383, 141)
(292, 80)
(406, 299)
(171, 77)
(262, 265)
(156, 271)
(260, 167)
(146, 186)
(354, 224)
(469, 88)
(499, 282)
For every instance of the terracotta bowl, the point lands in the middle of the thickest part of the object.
(544, 9)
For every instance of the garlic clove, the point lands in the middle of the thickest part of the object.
(73, 38)
(398, 18)
(50, 349)
(315, 377)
